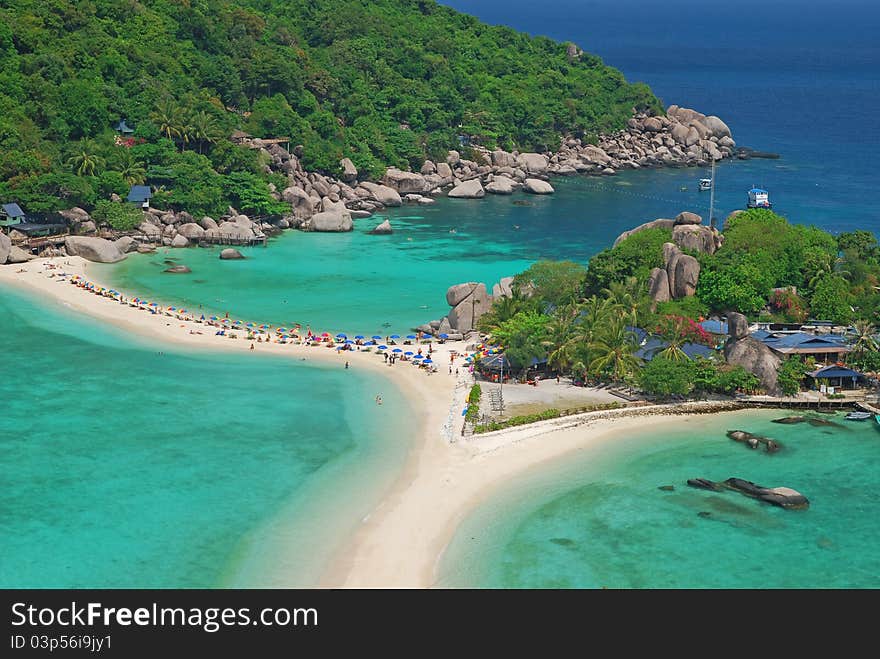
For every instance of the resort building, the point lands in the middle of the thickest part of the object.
(839, 377)
(10, 215)
(651, 344)
(827, 349)
(141, 195)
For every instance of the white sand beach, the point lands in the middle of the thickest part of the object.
(445, 477)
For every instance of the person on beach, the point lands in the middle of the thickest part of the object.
(379, 399)
(227, 314)
(385, 355)
(252, 346)
(346, 365)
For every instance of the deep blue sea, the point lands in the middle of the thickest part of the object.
(796, 77)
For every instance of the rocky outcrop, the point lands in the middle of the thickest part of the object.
(472, 189)
(686, 275)
(5, 247)
(230, 254)
(191, 231)
(533, 163)
(658, 286)
(686, 217)
(741, 349)
(654, 224)
(18, 255)
(405, 182)
(179, 241)
(537, 186)
(75, 215)
(504, 288)
(471, 301)
(383, 229)
(349, 171)
(500, 185)
(696, 238)
(331, 221)
(126, 244)
(382, 194)
(93, 249)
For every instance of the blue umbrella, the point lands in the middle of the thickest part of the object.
(428, 361)
(410, 336)
(375, 337)
(383, 347)
(359, 336)
(418, 357)
(348, 341)
(444, 336)
(395, 336)
(397, 350)
(370, 343)
(409, 353)
(341, 336)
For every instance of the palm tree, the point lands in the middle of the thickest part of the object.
(629, 294)
(85, 163)
(675, 335)
(204, 129)
(562, 339)
(166, 117)
(133, 171)
(865, 339)
(614, 347)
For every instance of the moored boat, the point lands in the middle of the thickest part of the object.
(858, 416)
(759, 198)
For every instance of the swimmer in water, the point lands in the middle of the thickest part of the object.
(452, 230)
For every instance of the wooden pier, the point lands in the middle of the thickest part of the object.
(229, 239)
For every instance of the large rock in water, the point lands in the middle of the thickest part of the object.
(179, 241)
(472, 189)
(405, 182)
(383, 229)
(717, 127)
(93, 249)
(661, 223)
(230, 254)
(5, 247)
(383, 194)
(191, 230)
(331, 221)
(753, 355)
(533, 163)
(501, 185)
(537, 186)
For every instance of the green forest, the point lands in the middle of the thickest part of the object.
(384, 82)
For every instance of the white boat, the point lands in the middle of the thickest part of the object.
(705, 184)
(858, 416)
(759, 198)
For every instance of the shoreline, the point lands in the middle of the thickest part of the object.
(401, 542)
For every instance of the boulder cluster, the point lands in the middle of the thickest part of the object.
(744, 350)
(469, 301)
(323, 203)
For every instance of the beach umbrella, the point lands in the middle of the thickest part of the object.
(395, 336)
(376, 337)
(409, 353)
(325, 334)
(341, 336)
(428, 361)
(348, 341)
(369, 343)
(383, 347)
(418, 357)
(213, 317)
(410, 336)
(249, 325)
(359, 336)
(280, 330)
(397, 350)
(444, 336)
(264, 326)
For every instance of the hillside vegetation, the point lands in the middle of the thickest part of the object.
(384, 82)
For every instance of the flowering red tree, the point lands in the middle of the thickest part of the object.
(679, 329)
(789, 304)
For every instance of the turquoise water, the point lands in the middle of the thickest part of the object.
(601, 521)
(356, 282)
(124, 464)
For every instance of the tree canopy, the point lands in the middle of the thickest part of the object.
(386, 82)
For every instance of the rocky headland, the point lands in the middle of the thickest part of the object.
(680, 138)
